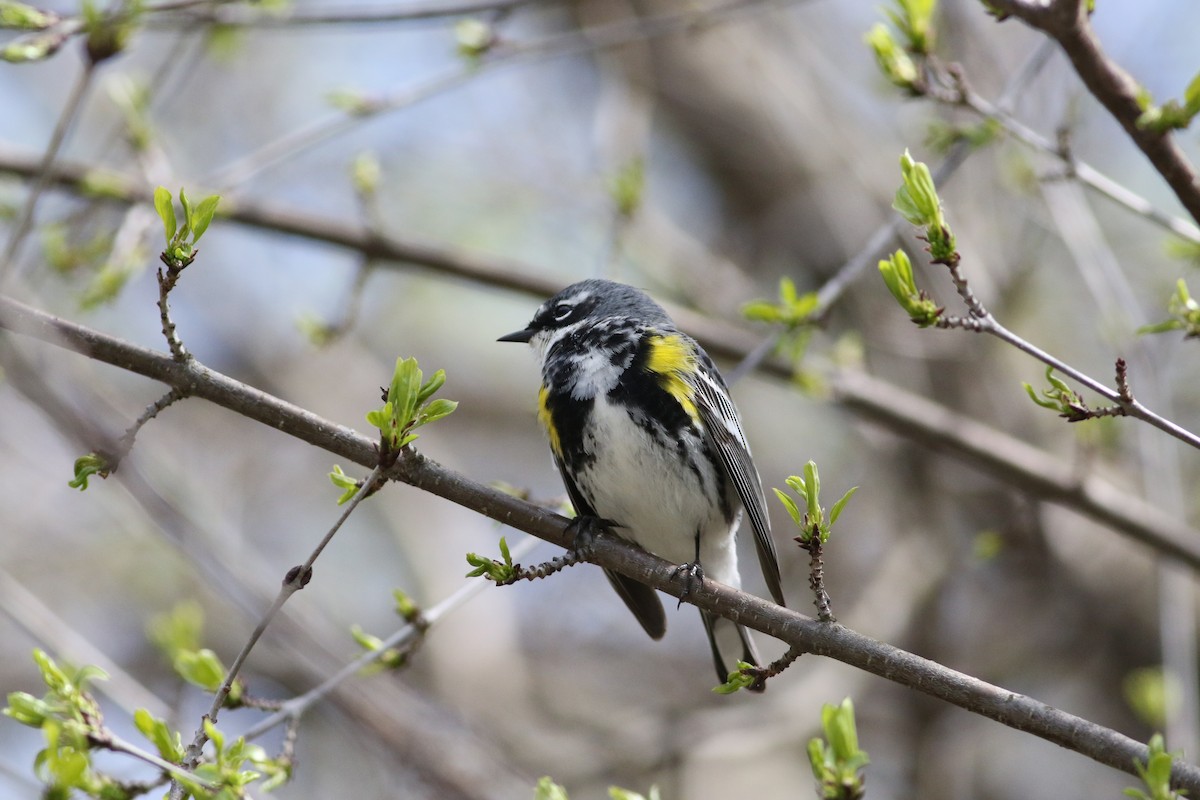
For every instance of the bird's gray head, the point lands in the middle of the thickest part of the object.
(584, 304)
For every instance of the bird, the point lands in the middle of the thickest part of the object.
(649, 444)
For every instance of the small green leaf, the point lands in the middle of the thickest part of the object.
(365, 640)
(437, 410)
(430, 387)
(812, 482)
(762, 311)
(201, 668)
(346, 483)
(19, 16)
(166, 209)
(1161, 327)
(836, 511)
(86, 467)
(188, 214)
(204, 216)
(406, 607)
(895, 64)
(790, 504)
(27, 709)
(168, 743)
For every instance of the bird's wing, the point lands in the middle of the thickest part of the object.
(639, 598)
(724, 428)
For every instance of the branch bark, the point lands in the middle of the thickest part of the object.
(828, 639)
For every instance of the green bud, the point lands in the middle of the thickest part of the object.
(474, 37)
(25, 18)
(894, 62)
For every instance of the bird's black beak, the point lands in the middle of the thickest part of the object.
(518, 336)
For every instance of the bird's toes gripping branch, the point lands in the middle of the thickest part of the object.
(692, 575)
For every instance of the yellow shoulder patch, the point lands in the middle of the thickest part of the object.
(671, 358)
(547, 420)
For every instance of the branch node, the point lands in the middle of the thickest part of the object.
(298, 577)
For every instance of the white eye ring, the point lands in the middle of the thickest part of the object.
(562, 311)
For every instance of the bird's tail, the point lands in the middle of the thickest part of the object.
(728, 636)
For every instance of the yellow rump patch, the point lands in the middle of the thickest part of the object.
(547, 421)
(671, 358)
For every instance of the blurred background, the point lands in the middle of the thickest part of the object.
(768, 143)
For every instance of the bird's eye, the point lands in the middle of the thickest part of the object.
(562, 311)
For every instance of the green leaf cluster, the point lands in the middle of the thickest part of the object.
(796, 314)
(942, 135)
(346, 483)
(177, 635)
(86, 467)
(107, 33)
(389, 659)
(911, 35)
(1059, 397)
(1155, 773)
(181, 239)
(897, 273)
(69, 717)
(1151, 693)
(1172, 115)
(499, 571)
(918, 202)
(792, 310)
(1184, 311)
(741, 678)
(914, 20)
(409, 404)
(893, 60)
(837, 762)
(227, 770)
(812, 520)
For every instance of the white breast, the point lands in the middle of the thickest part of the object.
(656, 497)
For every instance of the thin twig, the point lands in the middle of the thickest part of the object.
(601, 37)
(125, 443)
(293, 709)
(24, 223)
(110, 741)
(409, 12)
(295, 580)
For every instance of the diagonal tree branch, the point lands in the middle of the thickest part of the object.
(835, 641)
(1068, 23)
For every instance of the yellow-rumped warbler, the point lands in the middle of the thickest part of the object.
(648, 441)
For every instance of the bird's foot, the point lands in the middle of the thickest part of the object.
(585, 530)
(692, 574)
